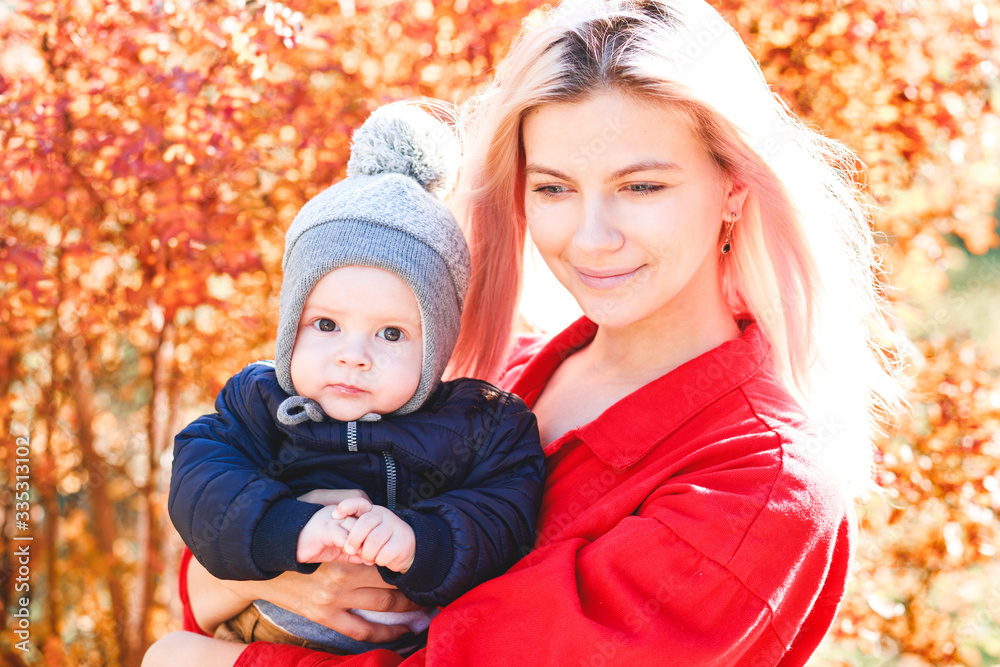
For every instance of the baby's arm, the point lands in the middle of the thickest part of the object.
(225, 501)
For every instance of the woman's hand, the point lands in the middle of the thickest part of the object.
(327, 596)
(331, 496)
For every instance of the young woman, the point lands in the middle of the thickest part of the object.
(708, 420)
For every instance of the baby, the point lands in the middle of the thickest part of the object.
(375, 275)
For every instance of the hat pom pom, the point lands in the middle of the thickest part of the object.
(401, 138)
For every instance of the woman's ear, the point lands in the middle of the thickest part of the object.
(736, 196)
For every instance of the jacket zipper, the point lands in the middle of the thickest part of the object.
(390, 480)
(352, 436)
(390, 465)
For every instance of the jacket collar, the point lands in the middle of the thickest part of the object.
(628, 430)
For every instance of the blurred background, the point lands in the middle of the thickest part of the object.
(152, 153)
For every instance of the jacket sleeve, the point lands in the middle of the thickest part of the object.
(474, 533)
(238, 520)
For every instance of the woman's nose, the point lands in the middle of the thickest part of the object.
(597, 232)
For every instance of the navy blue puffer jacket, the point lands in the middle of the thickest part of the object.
(465, 472)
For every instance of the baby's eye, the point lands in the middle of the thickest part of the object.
(391, 334)
(325, 324)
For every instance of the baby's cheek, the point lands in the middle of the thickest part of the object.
(304, 366)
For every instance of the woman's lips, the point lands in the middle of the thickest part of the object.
(606, 279)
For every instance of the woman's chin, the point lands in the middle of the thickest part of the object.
(610, 314)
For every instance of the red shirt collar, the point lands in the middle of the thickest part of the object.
(629, 429)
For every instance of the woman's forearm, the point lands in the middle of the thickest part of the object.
(326, 596)
(211, 601)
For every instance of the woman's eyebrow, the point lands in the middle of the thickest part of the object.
(532, 168)
(645, 165)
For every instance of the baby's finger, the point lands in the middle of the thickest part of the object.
(375, 543)
(359, 532)
(353, 507)
(337, 534)
(397, 554)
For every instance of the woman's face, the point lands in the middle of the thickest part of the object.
(625, 206)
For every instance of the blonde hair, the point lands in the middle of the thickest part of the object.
(803, 265)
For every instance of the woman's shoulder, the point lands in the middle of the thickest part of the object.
(805, 496)
(798, 531)
(524, 347)
(775, 477)
(798, 442)
(768, 507)
(803, 444)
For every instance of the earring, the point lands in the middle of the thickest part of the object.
(728, 245)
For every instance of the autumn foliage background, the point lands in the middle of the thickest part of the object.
(152, 153)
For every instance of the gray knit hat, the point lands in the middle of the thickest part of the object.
(385, 214)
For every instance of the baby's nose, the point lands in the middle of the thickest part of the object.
(354, 354)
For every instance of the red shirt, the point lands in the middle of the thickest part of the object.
(685, 525)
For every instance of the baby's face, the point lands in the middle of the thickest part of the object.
(359, 345)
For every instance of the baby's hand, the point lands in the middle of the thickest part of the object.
(323, 537)
(378, 536)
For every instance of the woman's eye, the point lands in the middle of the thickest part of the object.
(550, 190)
(643, 188)
(392, 334)
(325, 324)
